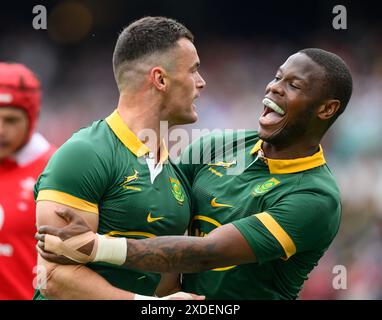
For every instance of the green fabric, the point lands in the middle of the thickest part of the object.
(306, 205)
(93, 165)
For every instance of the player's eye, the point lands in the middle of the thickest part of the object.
(12, 120)
(294, 86)
(277, 78)
(195, 68)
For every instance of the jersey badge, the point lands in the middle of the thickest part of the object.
(176, 190)
(264, 187)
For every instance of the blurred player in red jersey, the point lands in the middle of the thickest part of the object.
(23, 156)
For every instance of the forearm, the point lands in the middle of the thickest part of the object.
(80, 283)
(224, 246)
(174, 254)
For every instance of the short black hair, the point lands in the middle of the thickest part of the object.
(338, 83)
(148, 35)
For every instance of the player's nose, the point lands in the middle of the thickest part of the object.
(275, 87)
(201, 83)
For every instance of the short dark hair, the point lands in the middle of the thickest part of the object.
(148, 35)
(338, 83)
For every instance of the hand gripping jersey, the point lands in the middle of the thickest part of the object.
(106, 169)
(287, 210)
(18, 218)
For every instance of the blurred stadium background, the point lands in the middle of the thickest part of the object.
(240, 44)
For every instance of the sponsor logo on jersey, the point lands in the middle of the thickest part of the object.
(6, 250)
(225, 165)
(6, 98)
(130, 179)
(176, 190)
(215, 172)
(220, 164)
(151, 219)
(264, 187)
(215, 204)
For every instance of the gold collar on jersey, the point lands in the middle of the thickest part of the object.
(130, 140)
(280, 166)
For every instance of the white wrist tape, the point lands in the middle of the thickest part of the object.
(140, 297)
(111, 250)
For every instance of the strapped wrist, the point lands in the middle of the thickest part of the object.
(111, 250)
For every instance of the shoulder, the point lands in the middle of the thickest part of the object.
(93, 141)
(315, 202)
(90, 149)
(81, 167)
(321, 184)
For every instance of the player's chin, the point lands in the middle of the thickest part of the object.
(191, 116)
(193, 113)
(269, 133)
(194, 117)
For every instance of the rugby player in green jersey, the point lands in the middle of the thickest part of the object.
(120, 185)
(256, 235)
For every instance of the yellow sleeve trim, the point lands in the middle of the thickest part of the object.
(67, 199)
(278, 232)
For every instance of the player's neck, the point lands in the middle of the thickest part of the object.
(300, 149)
(142, 117)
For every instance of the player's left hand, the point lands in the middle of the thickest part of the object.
(76, 228)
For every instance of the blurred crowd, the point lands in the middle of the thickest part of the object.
(78, 88)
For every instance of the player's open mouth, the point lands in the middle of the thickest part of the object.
(272, 114)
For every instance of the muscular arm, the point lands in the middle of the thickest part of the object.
(79, 282)
(225, 246)
(73, 282)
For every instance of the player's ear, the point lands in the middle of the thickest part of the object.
(158, 78)
(328, 109)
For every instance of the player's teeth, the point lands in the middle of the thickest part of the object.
(270, 104)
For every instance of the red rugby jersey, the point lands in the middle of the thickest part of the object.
(18, 255)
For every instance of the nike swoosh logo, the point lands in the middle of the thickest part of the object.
(218, 205)
(151, 219)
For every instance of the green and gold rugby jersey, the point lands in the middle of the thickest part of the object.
(102, 169)
(287, 210)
